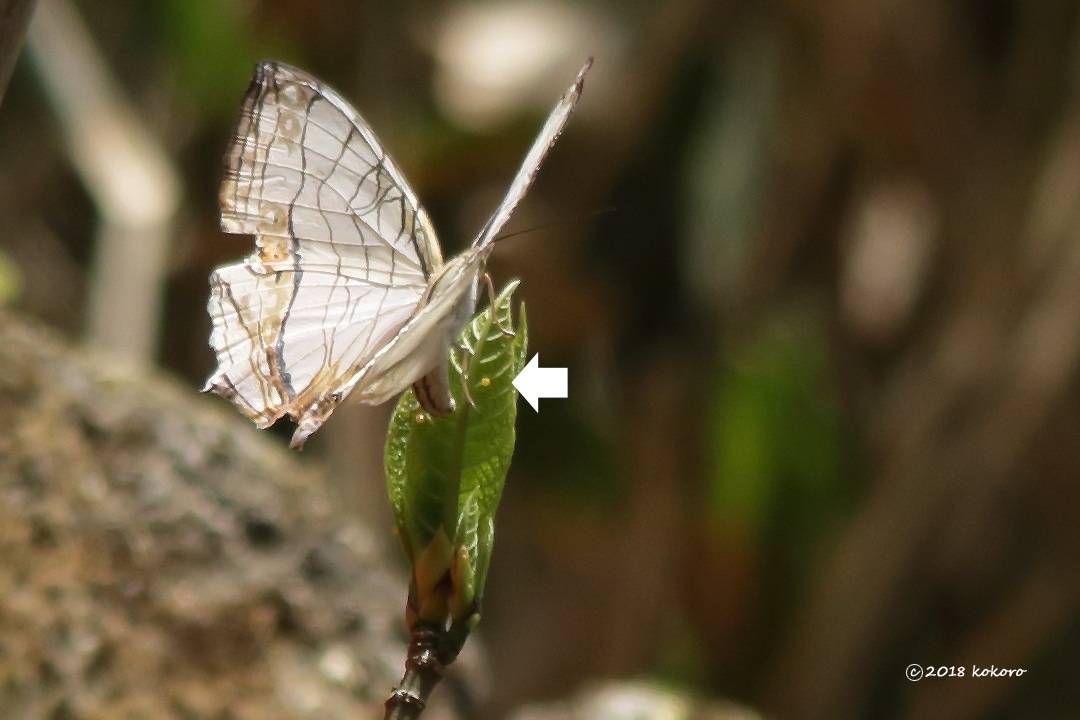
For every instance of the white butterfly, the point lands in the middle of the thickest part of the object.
(347, 292)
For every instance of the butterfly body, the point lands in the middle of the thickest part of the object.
(347, 293)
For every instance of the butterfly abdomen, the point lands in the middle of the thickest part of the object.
(433, 391)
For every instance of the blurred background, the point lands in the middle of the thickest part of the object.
(814, 269)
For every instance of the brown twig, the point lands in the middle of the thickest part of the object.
(424, 668)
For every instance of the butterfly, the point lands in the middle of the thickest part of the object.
(346, 293)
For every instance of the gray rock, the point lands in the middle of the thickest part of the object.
(160, 559)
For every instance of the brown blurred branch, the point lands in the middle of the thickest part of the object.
(14, 18)
(125, 170)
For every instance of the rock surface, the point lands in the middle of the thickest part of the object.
(159, 559)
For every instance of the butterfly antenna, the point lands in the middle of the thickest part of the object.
(554, 223)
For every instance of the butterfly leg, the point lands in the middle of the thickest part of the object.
(491, 304)
(466, 366)
(468, 356)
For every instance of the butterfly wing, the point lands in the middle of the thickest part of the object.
(553, 127)
(343, 250)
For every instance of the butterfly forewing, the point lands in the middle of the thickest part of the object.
(526, 173)
(343, 248)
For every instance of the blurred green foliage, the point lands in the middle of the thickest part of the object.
(10, 280)
(214, 44)
(776, 431)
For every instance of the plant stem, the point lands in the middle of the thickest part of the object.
(424, 669)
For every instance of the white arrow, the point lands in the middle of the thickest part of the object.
(535, 382)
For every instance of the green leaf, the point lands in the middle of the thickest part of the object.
(445, 475)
